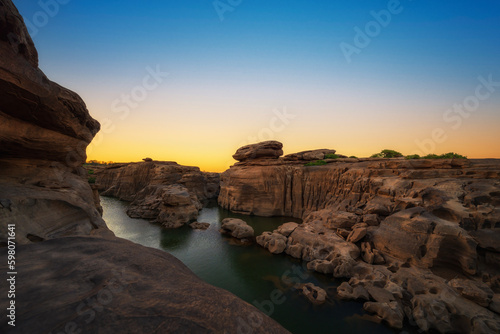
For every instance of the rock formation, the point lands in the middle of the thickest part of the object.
(164, 192)
(264, 150)
(44, 131)
(417, 239)
(236, 228)
(93, 285)
(78, 277)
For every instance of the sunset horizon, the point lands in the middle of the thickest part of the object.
(355, 78)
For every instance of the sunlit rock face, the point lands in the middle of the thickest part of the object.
(164, 192)
(397, 229)
(44, 132)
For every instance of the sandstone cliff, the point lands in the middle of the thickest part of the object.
(83, 279)
(387, 223)
(165, 192)
(44, 131)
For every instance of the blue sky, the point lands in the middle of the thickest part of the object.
(226, 77)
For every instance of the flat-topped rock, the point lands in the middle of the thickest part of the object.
(268, 150)
(309, 155)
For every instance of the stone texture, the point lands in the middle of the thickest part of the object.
(199, 226)
(314, 293)
(268, 150)
(391, 312)
(274, 242)
(164, 192)
(133, 289)
(309, 155)
(236, 228)
(418, 224)
(44, 131)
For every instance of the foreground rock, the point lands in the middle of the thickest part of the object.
(164, 192)
(44, 131)
(236, 228)
(268, 149)
(115, 286)
(83, 284)
(416, 240)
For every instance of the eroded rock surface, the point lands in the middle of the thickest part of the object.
(116, 286)
(44, 131)
(417, 240)
(236, 228)
(164, 192)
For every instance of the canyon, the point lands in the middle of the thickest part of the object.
(76, 275)
(416, 239)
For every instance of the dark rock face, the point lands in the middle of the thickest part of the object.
(165, 192)
(116, 286)
(264, 150)
(397, 229)
(74, 284)
(44, 131)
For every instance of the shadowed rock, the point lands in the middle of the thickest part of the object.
(116, 286)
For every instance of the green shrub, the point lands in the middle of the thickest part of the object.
(413, 156)
(91, 179)
(316, 163)
(331, 156)
(90, 171)
(387, 154)
(449, 155)
(353, 157)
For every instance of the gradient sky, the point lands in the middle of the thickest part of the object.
(228, 79)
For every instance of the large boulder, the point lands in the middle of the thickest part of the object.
(94, 285)
(268, 149)
(236, 228)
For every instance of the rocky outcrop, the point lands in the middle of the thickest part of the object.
(236, 228)
(83, 283)
(115, 286)
(44, 131)
(164, 192)
(397, 229)
(264, 150)
(309, 155)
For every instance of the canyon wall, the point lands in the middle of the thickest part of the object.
(164, 192)
(417, 239)
(44, 131)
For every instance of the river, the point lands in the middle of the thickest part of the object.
(248, 271)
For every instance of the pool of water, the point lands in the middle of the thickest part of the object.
(248, 271)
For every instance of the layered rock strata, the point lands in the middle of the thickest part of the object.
(399, 230)
(164, 192)
(44, 131)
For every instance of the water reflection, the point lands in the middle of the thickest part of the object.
(248, 271)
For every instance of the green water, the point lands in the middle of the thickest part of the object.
(248, 271)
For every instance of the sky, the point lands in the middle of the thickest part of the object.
(191, 81)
